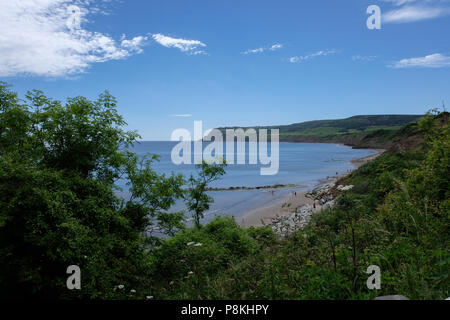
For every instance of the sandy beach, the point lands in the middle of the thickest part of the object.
(289, 203)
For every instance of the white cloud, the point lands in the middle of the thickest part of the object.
(46, 38)
(363, 58)
(313, 55)
(436, 60)
(276, 46)
(273, 47)
(414, 13)
(134, 44)
(188, 46)
(258, 50)
(399, 2)
(183, 115)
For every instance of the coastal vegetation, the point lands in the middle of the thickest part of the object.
(58, 207)
(364, 131)
(395, 217)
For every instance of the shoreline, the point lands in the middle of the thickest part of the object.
(275, 186)
(289, 204)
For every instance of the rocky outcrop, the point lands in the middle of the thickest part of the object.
(321, 194)
(285, 225)
(297, 220)
(344, 188)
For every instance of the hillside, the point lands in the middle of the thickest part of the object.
(362, 131)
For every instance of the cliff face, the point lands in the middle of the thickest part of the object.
(368, 131)
(364, 141)
(390, 139)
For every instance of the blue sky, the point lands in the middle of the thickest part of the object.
(227, 63)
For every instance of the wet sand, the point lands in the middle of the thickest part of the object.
(360, 161)
(289, 203)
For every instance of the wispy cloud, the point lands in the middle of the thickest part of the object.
(320, 53)
(258, 50)
(363, 58)
(406, 11)
(184, 45)
(135, 44)
(399, 2)
(436, 60)
(414, 13)
(273, 47)
(47, 38)
(183, 115)
(276, 46)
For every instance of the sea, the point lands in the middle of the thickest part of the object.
(301, 167)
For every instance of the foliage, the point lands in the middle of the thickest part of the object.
(58, 165)
(197, 200)
(186, 264)
(59, 206)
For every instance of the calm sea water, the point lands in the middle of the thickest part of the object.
(301, 164)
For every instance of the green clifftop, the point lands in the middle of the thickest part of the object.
(362, 131)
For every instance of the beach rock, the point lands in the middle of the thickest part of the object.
(297, 220)
(300, 216)
(344, 188)
(319, 192)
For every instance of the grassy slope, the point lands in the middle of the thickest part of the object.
(366, 131)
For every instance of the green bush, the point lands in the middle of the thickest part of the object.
(193, 257)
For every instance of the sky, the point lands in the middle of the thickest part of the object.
(230, 63)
